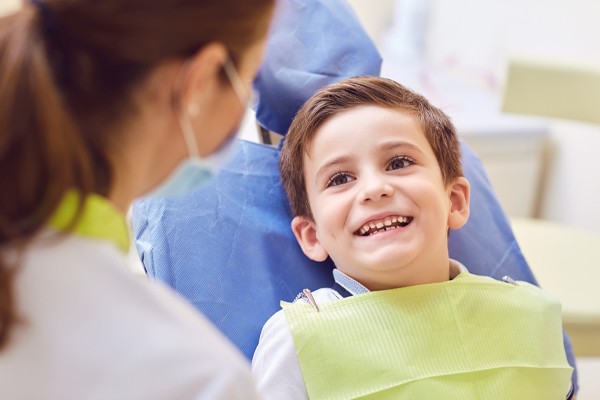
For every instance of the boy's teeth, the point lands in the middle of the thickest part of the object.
(382, 226)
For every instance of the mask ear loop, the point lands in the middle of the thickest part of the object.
(239, 89)
(236, 81)
(185, 124)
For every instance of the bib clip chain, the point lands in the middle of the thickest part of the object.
(510, 280)
(308, 297)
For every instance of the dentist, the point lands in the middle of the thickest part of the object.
(102, 102)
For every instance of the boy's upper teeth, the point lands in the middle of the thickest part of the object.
(383, 225)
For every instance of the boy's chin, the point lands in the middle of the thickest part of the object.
(385, 264)
(393, 256)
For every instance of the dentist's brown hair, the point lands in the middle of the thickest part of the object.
(354, 92)
(68, 71)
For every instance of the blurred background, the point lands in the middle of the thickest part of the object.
(545, 170)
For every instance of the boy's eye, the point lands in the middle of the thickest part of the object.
(399, 163)
(341, 178)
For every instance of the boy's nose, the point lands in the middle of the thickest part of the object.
(375, 188)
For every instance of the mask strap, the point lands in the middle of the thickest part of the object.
(236, 81)
(184, 121)
(188, 134)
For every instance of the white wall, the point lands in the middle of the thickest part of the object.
(572, 187)
(477, 37)
(484, 33)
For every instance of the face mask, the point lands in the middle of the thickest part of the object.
(196, 172)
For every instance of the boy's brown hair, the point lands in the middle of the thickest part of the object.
(354, 92)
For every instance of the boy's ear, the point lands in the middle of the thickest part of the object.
(459, 203)
(306, 234)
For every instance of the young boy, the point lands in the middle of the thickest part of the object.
(373, 175)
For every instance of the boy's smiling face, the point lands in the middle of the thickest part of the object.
(381, 209)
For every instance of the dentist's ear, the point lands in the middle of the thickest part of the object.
(306, 234)
(459, 193)
(197, 74)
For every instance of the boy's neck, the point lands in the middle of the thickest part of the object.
(376, 280)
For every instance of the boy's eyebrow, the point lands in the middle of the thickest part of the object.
(395, 144)
(337, 160)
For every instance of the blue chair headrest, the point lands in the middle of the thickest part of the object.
(312, 44)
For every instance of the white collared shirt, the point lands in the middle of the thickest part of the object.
(275, 365)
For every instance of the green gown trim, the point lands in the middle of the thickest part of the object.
(99, 219)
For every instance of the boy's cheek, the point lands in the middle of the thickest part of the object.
(328, 207)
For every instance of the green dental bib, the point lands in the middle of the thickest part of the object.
(469, 338)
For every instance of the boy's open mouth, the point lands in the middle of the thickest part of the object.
(386, 224)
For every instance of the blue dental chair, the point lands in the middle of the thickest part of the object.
(229, 248)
